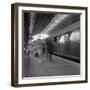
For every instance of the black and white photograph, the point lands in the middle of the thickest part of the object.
(50, 44)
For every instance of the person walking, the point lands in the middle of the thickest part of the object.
(49, 45)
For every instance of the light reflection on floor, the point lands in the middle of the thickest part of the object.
(43, 67)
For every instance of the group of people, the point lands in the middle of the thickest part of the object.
(44, 50)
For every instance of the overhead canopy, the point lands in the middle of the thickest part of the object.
(54, 22)
(50, 23)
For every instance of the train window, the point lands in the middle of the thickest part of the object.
(66, 37)
(62, 40)
(75, 36)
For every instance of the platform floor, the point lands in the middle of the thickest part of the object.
(34, 67)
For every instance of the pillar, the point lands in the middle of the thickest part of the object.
(32, 16)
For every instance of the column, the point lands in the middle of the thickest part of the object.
(32, 16)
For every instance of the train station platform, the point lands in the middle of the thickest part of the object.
(43, 67)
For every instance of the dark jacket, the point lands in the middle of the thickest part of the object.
(49, 45)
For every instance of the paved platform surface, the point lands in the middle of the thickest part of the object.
(43, 67)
